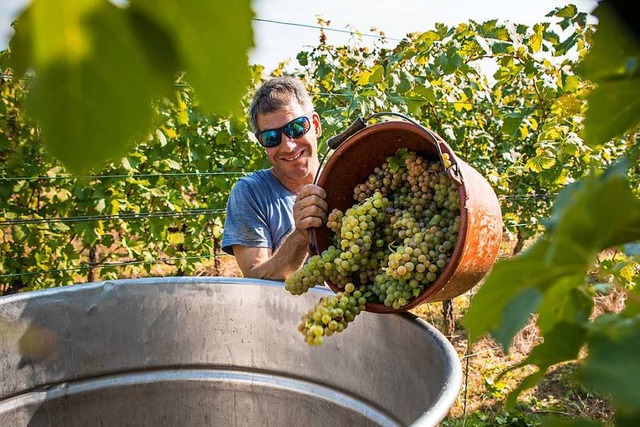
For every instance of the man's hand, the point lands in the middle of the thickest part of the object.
(310, 208)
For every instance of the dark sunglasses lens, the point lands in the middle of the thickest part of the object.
(297, 128)
(269, 138)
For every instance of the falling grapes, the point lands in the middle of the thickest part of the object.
(387, 248)
(332, 314)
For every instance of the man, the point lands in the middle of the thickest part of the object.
(270, 212)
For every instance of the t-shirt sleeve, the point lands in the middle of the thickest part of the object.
(245, 223)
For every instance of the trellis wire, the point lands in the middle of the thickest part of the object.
(117, 176)
(123, 216)
(88, 266)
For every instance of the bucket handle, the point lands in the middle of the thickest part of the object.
(450, 165)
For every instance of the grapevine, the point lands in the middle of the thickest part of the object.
(387, 248)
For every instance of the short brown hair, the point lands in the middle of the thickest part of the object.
(276, 94)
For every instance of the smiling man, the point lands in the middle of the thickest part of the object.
(270, 212)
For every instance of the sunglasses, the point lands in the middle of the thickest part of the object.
(294, 129)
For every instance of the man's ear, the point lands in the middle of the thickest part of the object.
(317, 124)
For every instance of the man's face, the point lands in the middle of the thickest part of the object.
(294, 161)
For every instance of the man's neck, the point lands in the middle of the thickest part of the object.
(294, 186)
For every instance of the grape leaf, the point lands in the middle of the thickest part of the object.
(92, 91)
(604, 203)
(614, 108)
(97, 67)
(213, 39)
(612, 63)
(613, 45)
(507, 280)
(561, 343)
(565, 301)
(614, 338)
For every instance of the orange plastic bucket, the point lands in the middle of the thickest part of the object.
(361, 148)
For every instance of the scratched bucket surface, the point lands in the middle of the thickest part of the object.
(193, 351)
(480, 231)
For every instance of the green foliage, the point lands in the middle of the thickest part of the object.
(550, 276)
(614, 65)
(616, 338)
(618, 269)
(519, 127)
(162, 203)
(599, 212)
(97, 68)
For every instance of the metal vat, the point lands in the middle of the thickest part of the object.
(193, 351)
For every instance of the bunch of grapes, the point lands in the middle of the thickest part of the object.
(332, 314)
(310, 275)
(387, 248)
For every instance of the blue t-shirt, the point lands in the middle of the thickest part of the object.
(259, 212)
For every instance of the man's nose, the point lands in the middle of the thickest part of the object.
(286, 139)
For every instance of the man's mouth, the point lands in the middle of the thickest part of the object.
(294, 157)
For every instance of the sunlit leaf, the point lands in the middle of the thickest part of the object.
(571, 83)
(213, 39)
(100, 205)
(612, 63)
(363, 78)
(86, 97)
(536, 38)
(428, 37)
(173, 164)
(377, 74)
(565, 12)
(605, 203)
(540, 163)
(614, 108)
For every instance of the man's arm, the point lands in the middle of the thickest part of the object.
(309, 210)
(260, 263)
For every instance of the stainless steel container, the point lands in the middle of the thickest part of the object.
(194, 351)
